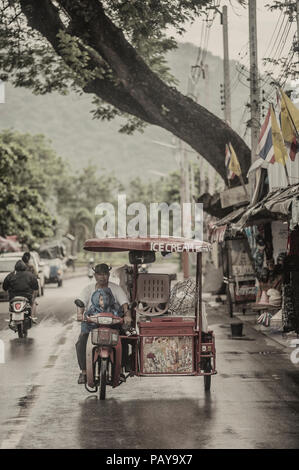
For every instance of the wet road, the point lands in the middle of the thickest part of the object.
(253, 403)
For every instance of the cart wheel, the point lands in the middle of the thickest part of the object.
(207, 378)
(229, 302)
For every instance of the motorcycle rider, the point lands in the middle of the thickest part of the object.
(101, 274)
(22, 283)
(30, 267)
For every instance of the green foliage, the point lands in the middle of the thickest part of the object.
(22, 209)
(37, 189)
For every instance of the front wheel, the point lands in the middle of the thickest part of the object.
(207, 378)
(103, 378)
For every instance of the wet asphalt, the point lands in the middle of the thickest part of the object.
(253, 402)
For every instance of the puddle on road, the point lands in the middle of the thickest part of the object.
(61, 340)
(19, 422)
(265, 353)
(257, 376)
(27, 401)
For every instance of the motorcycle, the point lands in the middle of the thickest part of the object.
(20, 319)
(103, 352)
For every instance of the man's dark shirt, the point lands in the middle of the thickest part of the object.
(21, 283)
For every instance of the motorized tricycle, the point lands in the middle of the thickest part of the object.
(160, 343)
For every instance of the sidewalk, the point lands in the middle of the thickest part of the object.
(274, 333)
(284, 339)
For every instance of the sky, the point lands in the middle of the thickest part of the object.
(238, 32)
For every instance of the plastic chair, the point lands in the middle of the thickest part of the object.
(152, 291)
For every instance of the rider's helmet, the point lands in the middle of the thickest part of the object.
(26, 257)
(20, 266)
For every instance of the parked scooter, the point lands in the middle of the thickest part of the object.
(103, 352)
(20, 319)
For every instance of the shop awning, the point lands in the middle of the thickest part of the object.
(275, 206)
(218, 229)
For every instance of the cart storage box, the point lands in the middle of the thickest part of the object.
(167, 346)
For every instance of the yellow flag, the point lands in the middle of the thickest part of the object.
(289, 118)
(280, 150)
(234, 164)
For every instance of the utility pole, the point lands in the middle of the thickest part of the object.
(254, 90)
(226, 71)
(185, 197)
(254, 82)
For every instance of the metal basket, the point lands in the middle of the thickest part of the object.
(104, 337)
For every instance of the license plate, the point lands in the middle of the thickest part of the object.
(18, 316)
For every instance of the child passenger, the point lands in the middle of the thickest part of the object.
(102, 300)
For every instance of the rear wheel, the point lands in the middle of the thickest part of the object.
(22, 331)
(103, 378)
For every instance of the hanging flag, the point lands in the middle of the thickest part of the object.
(265, 149)
(280, 151)
(294, 148)
(289, 118)
(234, 164)
(230, 174)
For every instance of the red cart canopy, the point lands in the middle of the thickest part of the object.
(159, 244)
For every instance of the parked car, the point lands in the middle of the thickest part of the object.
(7, 265)
(53, 255)
(35, 260)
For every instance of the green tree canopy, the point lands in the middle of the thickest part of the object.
(22, 209)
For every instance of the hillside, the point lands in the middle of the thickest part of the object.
(67, 122)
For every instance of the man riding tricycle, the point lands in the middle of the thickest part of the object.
(131, 330)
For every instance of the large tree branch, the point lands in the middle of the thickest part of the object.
(167, 107)
(140, 91)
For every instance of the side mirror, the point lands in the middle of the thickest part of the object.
(79, 303)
